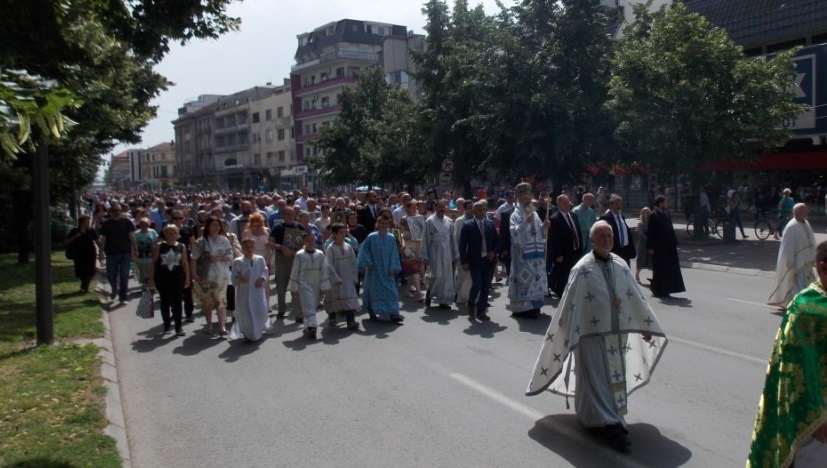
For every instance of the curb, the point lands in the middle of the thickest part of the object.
(109, 372)
(727, 269)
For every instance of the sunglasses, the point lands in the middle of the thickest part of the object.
(177, 217)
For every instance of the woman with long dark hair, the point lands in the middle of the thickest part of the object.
(80, 243)
(212, 255)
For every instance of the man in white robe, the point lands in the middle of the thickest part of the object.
(795, 268)
(462, 277)
(603, 342)
(527, 281)
(438, 251)
(249, 277)
(310, 276)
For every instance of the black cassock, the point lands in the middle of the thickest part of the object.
(666, 268)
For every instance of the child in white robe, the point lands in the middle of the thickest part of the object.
(342, 297)
(310, 276)
(249, 276)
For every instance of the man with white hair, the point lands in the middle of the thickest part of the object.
(795, 268)
(603, 341)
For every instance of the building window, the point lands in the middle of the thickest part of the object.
(354, 72)
(280, 112)
(292, 132)
(268, 114)
(254, 138)
(280, 134)
(281, 156)
(340, 72)
(269, 135)
(230, 162)
(325, 101)
(315, 129)
(270, 157)
(255, 117)
(381, 30)
(307, 152)
(256, 159)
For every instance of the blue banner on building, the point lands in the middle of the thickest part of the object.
(810, 89)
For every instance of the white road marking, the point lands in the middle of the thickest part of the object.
(715, 350)
(575, 436)
(760, 304)
(497, 396)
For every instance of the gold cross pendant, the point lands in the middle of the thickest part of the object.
(617, 302)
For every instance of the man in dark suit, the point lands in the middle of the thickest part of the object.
(566, 243)
(624, 246)
(478, 246)
(505, 240)
(367, 215)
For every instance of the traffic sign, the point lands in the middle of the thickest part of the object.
(447, 165)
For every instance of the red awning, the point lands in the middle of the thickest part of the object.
(778, 161)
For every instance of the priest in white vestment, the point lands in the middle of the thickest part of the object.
(795, 268)
(527, 281)
(438, 250)
(603, 342)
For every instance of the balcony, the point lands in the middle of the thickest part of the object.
(304, 138)
(331, 83)
(314, 112)
(371, 57)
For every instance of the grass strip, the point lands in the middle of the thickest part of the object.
(52, 409)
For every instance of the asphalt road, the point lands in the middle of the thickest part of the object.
(438, 391)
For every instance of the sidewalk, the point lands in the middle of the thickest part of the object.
(749, 256)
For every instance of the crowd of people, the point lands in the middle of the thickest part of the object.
(361, 252)
(532, 242)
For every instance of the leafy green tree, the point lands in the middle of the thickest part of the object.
(28, 101)
(450, 74)
(684, 94)
(103, 54)
(520, 93)
(375, 138)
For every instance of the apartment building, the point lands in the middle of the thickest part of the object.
(158, 165)
(121, 168)
(194, 148)
(330, 58)
(242, 141)
(624, 13)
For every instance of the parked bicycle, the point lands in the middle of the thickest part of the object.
(764, 227)
(715, 223)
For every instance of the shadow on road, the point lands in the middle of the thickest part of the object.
(563, 435)
(484, 329)
(674, 301)
(536, 326)
(434, 314)
(239, 348)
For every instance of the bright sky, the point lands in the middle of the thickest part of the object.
(262, 51)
